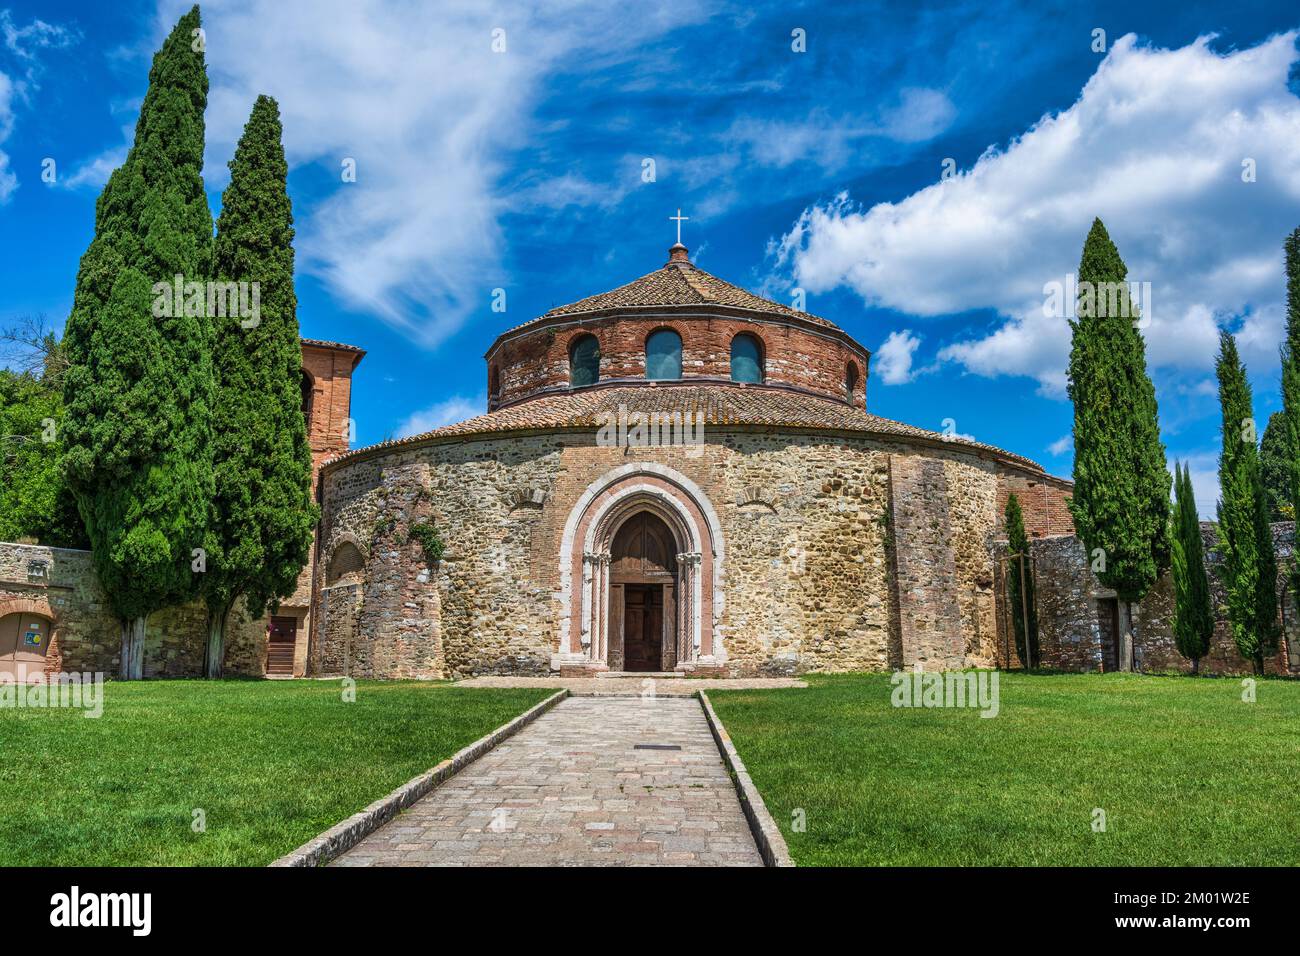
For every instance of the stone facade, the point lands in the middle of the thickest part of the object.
(837, 552)
(1072, 613)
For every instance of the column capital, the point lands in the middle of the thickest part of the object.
(690, 558)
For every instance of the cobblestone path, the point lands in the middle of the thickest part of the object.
(573, 789)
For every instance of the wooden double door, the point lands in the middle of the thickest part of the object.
(643, 627)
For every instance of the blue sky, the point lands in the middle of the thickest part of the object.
(820, 170)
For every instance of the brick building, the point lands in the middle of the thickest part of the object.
(675, 475)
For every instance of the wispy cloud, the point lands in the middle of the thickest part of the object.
(430, 113)
(17, 87)
(447, 412)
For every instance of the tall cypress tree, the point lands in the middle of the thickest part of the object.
(1275, 467)
(264, 514)
(1120, 503)
(1193, 616)
(1245, 538)
(1291, 382)
(138, 387)
(1024, 613)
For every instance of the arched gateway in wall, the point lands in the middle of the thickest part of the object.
(641, 571)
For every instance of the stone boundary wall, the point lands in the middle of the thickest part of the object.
(86, 635)
(1070, 626)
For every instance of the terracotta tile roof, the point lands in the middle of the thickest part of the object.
(339, 346)
(678, 284)
(722, 404)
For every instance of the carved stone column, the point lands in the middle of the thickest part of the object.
(595, 605)
(688, 570)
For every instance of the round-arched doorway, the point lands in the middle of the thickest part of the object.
(640, 574)
(642, 580)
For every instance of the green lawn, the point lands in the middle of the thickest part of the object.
(1186, 772)
(271, 764)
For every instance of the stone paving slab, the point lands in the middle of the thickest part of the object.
(572, 789)
(624, 686)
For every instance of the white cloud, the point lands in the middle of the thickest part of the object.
(22, 42)
(921, 114)
(893, 360)
(8, 181)
(415, 94)
(1154, 146)
(1061, 445)
(37, 35)
(94, 172)
(458, 408)
(1204, 468)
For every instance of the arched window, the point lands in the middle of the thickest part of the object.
(850, 380)
(746, 359)
(584, 361)
(663, 355)
(307, 396)
(494, 382)
(346, 563)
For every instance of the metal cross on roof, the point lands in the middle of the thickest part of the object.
(679, 219)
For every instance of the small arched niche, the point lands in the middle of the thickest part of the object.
(346, 565)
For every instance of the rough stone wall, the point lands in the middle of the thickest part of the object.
(1069, 629)
(944, 522)
(87, 637)
(1069, 632)
(538, 359)
(806, 521)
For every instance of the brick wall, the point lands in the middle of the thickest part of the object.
(538, 359)
(1043, 500)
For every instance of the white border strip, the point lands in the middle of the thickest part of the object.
(342, 837)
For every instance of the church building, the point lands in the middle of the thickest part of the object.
(675, 475)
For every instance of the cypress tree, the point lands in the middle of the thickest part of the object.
(138, 386)
(1024, 614)
(1193, 616)
(1291, 381)
(1245, 538)
(1120, 503)
(1275, 467)
(264, 514)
